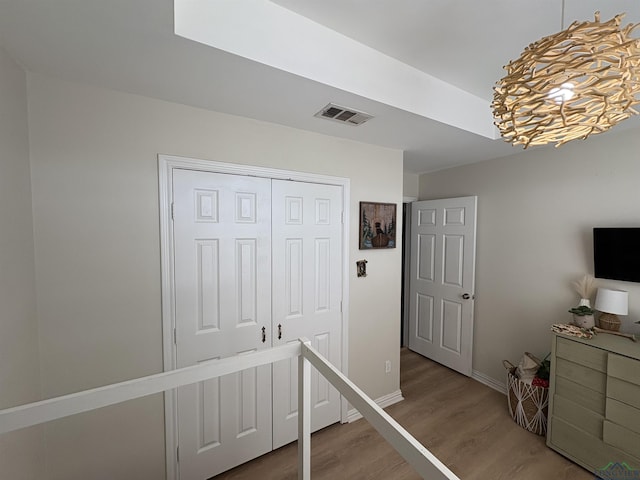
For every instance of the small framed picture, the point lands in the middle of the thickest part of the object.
(377, 225)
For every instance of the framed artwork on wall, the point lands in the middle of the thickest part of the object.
(377, 225)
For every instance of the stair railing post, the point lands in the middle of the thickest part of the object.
(304, 414)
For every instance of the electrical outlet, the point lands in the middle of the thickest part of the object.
(387, 366)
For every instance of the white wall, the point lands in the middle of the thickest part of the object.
(536, 211)
(22, 452)
(94, 167)
(410, 185)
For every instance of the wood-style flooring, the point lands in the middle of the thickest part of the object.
(464, 423)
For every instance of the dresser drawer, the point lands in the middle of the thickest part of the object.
(575, 414)
(593, 358)
(583, 396)
(624, 392)
(621, 438)
(587, 449)
(624, 368)
(588, 377)
(623, 414)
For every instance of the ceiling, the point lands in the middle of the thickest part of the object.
(424, 68)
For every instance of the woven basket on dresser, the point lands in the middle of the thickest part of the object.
(609, 323)
(528, 404)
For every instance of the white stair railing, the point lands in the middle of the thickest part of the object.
(421, 459)
(416, 454)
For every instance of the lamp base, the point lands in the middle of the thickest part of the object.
(609, 321)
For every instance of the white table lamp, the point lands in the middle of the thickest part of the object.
(611, 303)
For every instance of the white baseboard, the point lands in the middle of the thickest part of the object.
(489, 382)
(382, 402)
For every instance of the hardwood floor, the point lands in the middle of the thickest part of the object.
(464, 423)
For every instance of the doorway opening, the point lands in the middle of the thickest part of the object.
(406, 255)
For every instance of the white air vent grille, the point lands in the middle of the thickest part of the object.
(343, 115)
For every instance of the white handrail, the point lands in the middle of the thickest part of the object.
(416, 454)
(45, 410)
(421, 459)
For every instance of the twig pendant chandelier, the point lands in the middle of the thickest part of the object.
(577, 82)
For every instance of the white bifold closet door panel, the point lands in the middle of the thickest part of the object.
(307, 295)
(222, 241)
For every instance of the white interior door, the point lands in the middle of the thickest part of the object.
(442, 280)
(222, 242)
(307, 296)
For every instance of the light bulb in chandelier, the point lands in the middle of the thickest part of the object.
(561, 94)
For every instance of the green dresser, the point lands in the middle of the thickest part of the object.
(594, 401)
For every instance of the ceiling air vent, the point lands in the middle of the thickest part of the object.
(343, 115)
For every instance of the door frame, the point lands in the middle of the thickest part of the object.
(166, 165)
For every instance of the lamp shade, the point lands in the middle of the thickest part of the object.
(612, 301)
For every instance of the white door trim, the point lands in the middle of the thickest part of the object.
(166, 165)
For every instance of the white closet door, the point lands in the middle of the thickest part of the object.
(307, 294)
(222, 242)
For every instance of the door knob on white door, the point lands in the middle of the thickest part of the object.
(466, 296)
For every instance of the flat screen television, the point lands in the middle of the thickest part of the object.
(616, 253)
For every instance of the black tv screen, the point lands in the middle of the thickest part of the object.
(616, 253)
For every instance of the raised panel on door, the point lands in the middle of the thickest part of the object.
(424, 312)
(307, 294)
(450, 326)
(222, 243)
(426, 257)
(441, 281)
(453, 260)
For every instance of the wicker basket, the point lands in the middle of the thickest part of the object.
(528, 404)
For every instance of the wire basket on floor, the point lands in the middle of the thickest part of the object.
(528, 404)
